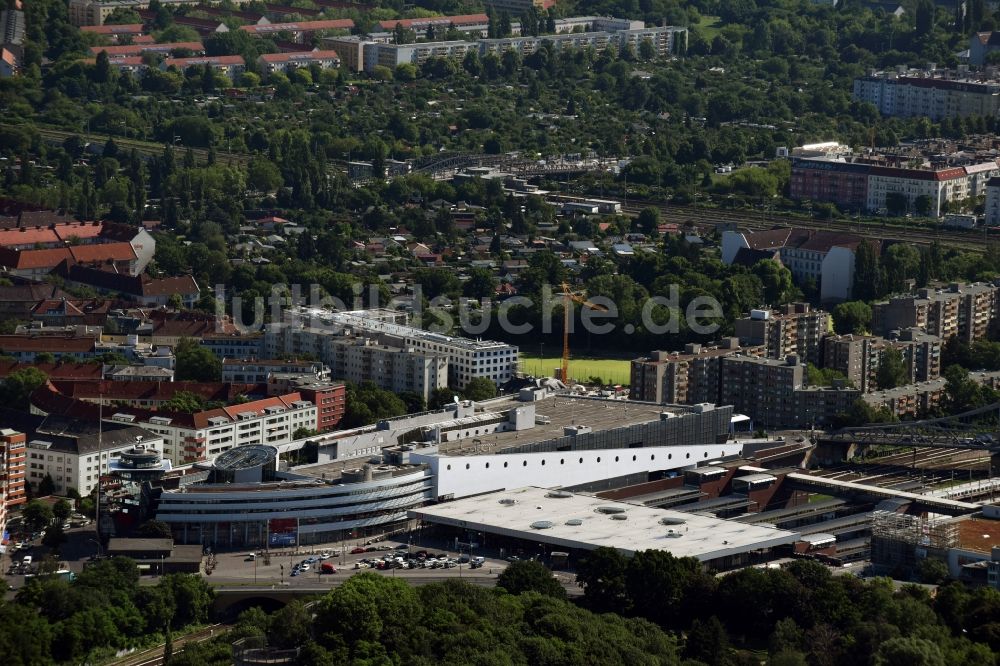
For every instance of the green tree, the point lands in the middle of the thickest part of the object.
(923, 205)
(37, 515)
(481, 284)
(602, 575)
(196, 363)
(184, 401)
(289, 627)
(54, 536)
(154, 529)
(777, 281)
(366, 403)
(925, 17)
(414, 401)
(933, 571)
(192, 598)
(909, 651)
(868, 282)
(664, 588)
(648, 220)
(862, 413)
(62, 510)
(901, 262)
(707, 641)
(892, 370)
(896, 203)
(480, 388)
(19, 385)
(530, 576)
(962, 393)
(852, 317)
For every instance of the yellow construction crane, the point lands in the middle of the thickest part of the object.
(568, 298)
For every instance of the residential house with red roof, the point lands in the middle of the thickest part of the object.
(17, 301)
(231, 66)
(825, 257)
(189, 438)
(128, 50)
(140, 289)
(24, 348)
(71, 312)
(300, 31)
(117, 33)
(64, 372)
(287, 62)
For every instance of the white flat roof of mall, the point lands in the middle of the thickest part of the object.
(571, 520)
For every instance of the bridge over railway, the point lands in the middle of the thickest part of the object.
(837, 487)
(977, 430)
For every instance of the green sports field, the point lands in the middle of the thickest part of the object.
(610, 370)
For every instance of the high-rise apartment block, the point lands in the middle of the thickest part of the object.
(683, 378)
(968, 311)
(13, 468)
(935, 93)
(858, 357)
(379, 346)
(793, 329)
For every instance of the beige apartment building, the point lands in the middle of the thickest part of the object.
(793, 329)
(968, 311)
(683, 378)
(858, 357)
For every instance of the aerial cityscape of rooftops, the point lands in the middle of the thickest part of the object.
(499, 331)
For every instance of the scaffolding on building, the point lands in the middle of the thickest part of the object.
(903, 540)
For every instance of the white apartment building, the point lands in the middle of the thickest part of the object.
(287, 62)
(361, 358)
(992, 211)
(823, 256)
(941, 185)
(244, 371)
(188, 438)
(366, 54)
(94, 12)
(231, 66)
(935, 94)
(466, 358)
(74, 455)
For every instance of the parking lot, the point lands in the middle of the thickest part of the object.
(332, 563)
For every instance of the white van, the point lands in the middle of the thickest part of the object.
(26, 561)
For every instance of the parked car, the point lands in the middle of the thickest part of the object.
(358, 550)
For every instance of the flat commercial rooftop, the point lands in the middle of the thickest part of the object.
(585, 522)
(561, 411)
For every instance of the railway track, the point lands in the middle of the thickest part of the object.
(142, 147)
(933, 466)
(154, 656)
(956, 238)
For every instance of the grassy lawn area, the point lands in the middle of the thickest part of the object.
(608, 369)
(709, 27)
(819, 497)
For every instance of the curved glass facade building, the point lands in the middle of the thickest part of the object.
(300, 511)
